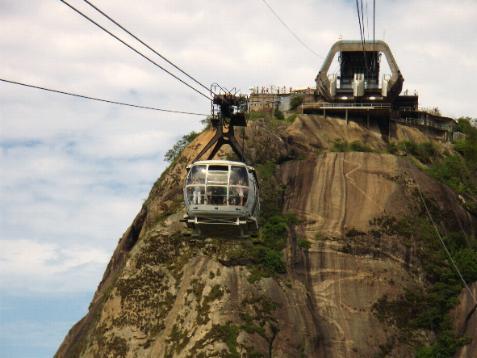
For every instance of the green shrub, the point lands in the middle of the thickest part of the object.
(296, 101)
(274, 262)
(357, 146)
(176, 150)
(446, 345)
(265, 255)
(291, 118)
(454, 172)
(303, 244)
(279, 115)
(274, 232)
(340, 145)
(392, 148)
(464, 126)
(425, 152)
(459, 171)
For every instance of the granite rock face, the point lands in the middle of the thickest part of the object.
(167, 294)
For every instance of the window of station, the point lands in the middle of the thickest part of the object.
(197, 175)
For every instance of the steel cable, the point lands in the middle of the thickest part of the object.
(290, 30)
(100, 99)
(145, 44)
(134, 49)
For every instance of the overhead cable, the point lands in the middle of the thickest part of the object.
(374, 21)
(359, 22)
(449, 255)
(145, 44)
(362, 21)
(361, 32)
(100, 99)
(290, 30)
(134, 49)
(367, 20)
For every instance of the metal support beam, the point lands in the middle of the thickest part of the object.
(231, 115)
(220, 138)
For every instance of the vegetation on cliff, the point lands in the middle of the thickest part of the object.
(426, 307)
(459, 170)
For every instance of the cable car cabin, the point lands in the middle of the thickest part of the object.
(221, 196)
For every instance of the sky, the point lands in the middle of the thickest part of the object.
(74, 173)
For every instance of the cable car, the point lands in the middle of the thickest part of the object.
(221, 196)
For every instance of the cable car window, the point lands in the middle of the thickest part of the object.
(222, 168)
(238, 176)
(218, 174)
(216, 195)
(196, 195)
(197, 175)
(238, 195)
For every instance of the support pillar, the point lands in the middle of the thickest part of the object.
(367, 118)
(346, 115)
(324, 113)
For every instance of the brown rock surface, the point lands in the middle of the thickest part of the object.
(169, 295)
(465, 321)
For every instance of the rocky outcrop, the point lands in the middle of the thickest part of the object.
(465, 321)
(167, 294)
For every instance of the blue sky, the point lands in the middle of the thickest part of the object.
(74, 173)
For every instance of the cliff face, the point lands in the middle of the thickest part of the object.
(166, 294)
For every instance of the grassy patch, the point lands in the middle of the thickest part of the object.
(264, 256)
(226, 333)
(291, 118)
(303, 244)
(340, 145)
(425, 152)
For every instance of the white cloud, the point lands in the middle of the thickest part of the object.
(31, 266)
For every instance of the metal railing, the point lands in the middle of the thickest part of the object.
(424, 122)
(346, 105)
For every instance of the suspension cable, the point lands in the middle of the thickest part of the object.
(134, 49)
(145, 44)
(100, 99)
(449, 255)
(361, 32)
(293, 33)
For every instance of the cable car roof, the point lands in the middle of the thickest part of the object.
(220, 162)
